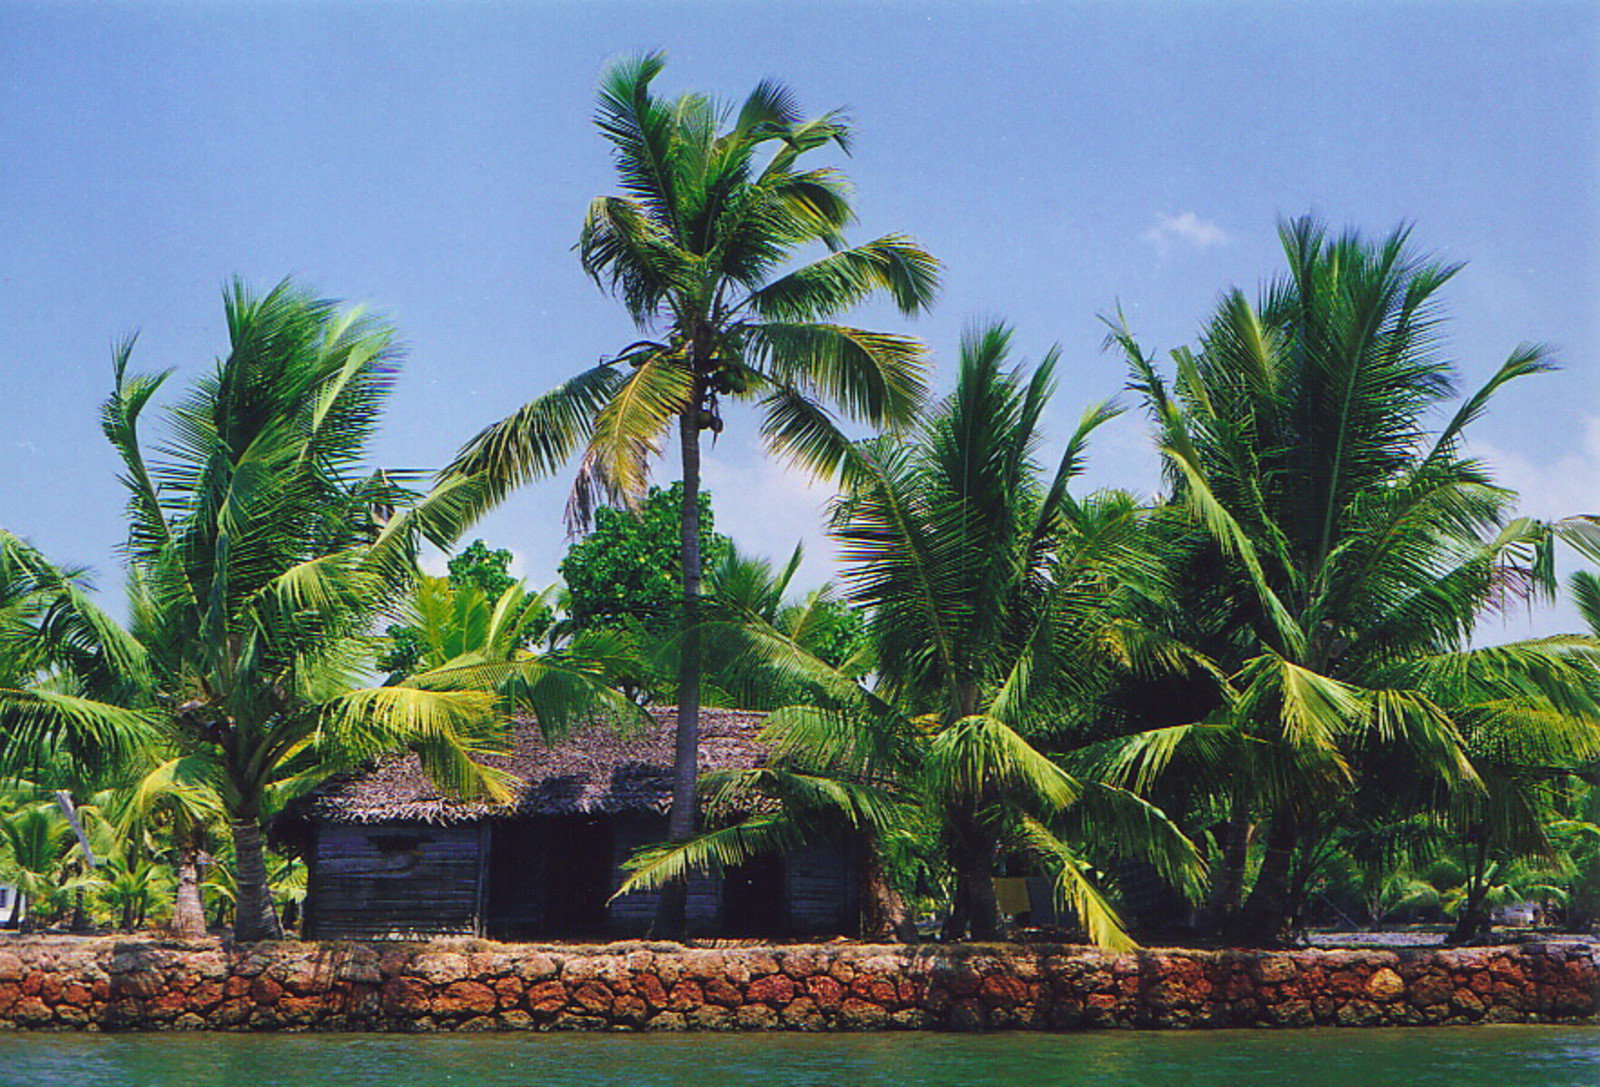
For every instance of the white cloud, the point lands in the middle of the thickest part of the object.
(767, 508)
(1569, 485)
(1187, 228)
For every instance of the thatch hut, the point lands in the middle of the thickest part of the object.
(391, 856)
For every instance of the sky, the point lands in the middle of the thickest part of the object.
(433, 161)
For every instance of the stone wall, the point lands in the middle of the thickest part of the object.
(136, 984)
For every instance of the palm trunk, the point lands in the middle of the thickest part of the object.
(254, 916)
(884, 916)
(1264, 920)
(1473, 921)
(671, 920)
(975, 913)
(1228, 890)
(188, 911)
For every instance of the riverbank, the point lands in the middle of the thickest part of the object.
(109, 983)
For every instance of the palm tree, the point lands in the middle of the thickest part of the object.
(991, 595)
(263, 553)
(714, 207)
(1356, 548)
(745, 589)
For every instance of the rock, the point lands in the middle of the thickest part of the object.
(775, 989)
(826, 991)
(857, 1014)
(1385, 986)
(535, 966)
(440, 967)
(546, 996)
(466, 998)
(1275, 968)
(724, 992)
(1430, 989)
(756, 1017)
(802, 1013)
(593, 997)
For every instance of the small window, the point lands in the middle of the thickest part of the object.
(395, 843)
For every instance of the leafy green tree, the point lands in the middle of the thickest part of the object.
(714, 205)
(476, 565)
(989, 589)
(1357, 550)
(625, 572)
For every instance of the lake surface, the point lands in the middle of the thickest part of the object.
(1509, 1056)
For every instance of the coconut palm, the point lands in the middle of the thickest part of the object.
(1356, 548)
(715, 206)
(991, 593)
(70, 676)
(263, 552)
(34, 845)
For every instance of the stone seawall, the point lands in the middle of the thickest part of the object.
(64, 983)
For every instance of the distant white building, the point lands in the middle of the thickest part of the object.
(12, 905)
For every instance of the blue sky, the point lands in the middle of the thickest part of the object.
(434, 161)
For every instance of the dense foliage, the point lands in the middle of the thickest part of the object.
(1263, 689)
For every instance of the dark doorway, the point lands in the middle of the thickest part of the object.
(579, 874)
(752, 897)
(516, 880)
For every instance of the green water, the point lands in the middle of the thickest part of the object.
(1461, 1057)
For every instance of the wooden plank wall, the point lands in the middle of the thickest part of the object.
(394, 880)
(631, 915)
(820, 888)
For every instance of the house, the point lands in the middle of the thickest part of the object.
(13, 906)
(389, 855)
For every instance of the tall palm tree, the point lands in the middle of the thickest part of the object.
(1358, 547)
(714, 208)
(991, 594)
(263, 552)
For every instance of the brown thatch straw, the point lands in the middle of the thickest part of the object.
(597, 768)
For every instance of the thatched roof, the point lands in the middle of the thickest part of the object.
(598, 768)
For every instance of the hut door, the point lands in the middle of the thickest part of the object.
(580, 874)
(752, 897)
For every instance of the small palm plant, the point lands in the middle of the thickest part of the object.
(264, 552)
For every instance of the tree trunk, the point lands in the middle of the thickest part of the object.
(1264, 920)
(254, 916)
(976, 910)
(884, 916)
(671, 920)
(1473, 920)
(188, 911)
(1228, 890)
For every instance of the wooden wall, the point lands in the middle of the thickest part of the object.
(388, 880)
(631, 915)
(495, 878)
(821, 892)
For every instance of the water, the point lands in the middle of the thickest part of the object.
(1460, 1057)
